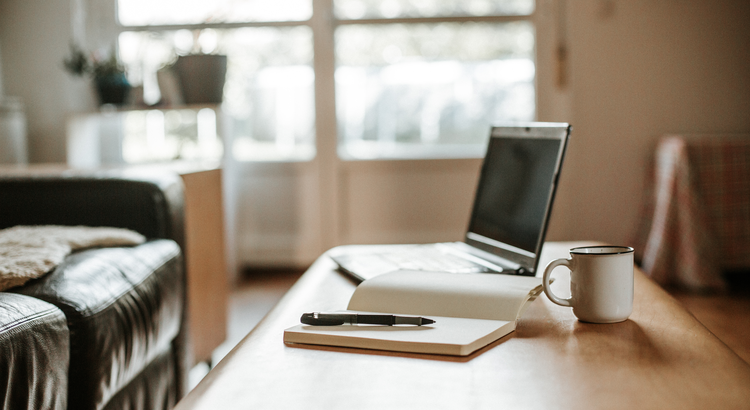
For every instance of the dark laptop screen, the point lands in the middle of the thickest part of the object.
(514, 187)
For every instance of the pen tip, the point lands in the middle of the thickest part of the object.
(426, 321)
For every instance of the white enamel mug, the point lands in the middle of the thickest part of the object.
(601, 283)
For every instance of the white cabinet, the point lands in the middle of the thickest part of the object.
(133, 136)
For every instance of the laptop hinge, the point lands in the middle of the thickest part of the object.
(479, 256)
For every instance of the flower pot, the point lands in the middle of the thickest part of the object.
(201, 78)
(112, 89)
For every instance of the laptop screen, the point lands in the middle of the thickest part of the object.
(515, 192)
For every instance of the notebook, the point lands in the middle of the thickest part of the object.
(512, 206)
(470, 312)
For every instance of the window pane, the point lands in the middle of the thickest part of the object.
(268, 107)
(164, 12)
(364, 9)
(430, 90)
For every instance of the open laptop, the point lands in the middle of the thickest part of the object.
(509, 219)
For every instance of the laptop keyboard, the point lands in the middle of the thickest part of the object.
(429, 258)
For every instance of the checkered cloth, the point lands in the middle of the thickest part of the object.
(697, 213)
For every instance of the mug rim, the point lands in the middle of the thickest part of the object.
(619, 250)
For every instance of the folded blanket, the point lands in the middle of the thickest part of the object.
(28, 252)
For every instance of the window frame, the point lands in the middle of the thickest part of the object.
(323, 23)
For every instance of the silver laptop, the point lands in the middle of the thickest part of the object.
(509, 219)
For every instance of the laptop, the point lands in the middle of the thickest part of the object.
(512, 206)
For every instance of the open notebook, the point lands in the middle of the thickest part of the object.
(470, 312)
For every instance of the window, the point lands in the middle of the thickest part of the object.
(202, 12)
(413, 78)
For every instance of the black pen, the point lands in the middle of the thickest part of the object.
(341, 318)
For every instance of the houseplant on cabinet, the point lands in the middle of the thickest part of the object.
(108, 75)
(201, 77)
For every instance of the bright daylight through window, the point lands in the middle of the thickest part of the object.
(413, 78)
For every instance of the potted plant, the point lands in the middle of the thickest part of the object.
(201, 77)
(108, 74)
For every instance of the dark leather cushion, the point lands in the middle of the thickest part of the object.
(123, 307)
(34, 354)
(153, 389)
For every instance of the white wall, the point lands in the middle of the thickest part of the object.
(1, 69)
(640, 69)
(35, 37)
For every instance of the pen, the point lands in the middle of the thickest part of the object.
(340, 318)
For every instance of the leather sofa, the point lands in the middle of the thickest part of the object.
(106, 328)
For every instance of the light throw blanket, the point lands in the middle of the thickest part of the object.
(28, 252)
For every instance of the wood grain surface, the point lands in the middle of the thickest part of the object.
(662, 357)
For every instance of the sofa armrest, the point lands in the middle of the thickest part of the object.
(151, 204)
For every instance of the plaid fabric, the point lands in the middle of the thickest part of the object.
(723, 171)
(697, 214)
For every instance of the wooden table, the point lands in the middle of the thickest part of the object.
(662, 357)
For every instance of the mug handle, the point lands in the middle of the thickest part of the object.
(545, 281)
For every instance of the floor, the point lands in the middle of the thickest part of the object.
(249, 301)
(256, 294)
(725, 315)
